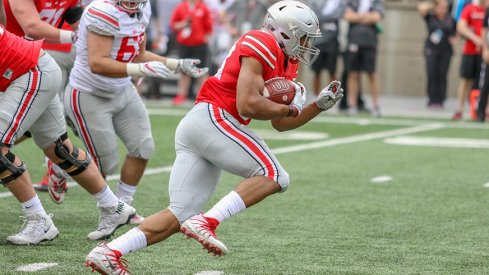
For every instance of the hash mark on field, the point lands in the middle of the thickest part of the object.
(212, 272)
(439, 142)
(302, 147)
(381, 179)
(35, 267)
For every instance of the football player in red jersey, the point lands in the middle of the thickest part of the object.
(53, 21)
(40, 20)
(214, 136)
(29, 82)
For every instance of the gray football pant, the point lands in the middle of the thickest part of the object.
(101, 120)
(207, 140)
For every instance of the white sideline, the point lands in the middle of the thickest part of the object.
(302, 147)
(35, 267)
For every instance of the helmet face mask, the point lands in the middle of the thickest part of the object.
(295, 27)
(131, 6)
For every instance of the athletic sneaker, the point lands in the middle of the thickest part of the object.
(106, 261)
(202, 229)
(110, 219)
(136, 219)
(43, 184)
(457, 116)
(179, 100)
(56, 183)
(36, 228)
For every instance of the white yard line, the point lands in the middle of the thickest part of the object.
(359, 138)
(301, 147)
(35, 267)
(327, 118)
(439, 142)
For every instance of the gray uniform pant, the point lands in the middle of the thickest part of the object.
(31, 104)
(207, 140)
(100, 120)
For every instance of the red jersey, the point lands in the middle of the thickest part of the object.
(220, 89)
(51, 12)
(474, 16)
(18, 57)
(200, 27)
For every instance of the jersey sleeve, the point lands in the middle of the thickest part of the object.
(102, 19)
(466, 13)
(255, 46)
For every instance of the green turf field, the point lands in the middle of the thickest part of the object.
(367, 196)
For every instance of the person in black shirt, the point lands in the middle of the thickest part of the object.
(437, 48)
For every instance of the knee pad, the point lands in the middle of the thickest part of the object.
(144, 150)
(7, 163)
(71, 164)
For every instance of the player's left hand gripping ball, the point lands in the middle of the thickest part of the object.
(189, 67)
(328, 97)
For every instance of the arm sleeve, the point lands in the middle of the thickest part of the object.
(378, 6)
(259, 49)
(465, 15)
(175, 17)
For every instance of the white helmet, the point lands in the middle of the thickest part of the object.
(131, 6)
(295, 26)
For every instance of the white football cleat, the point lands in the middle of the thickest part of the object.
(106, 261)
(37, 228)
(56, 183)
(136, 219)
(110, 219)
(202, 229)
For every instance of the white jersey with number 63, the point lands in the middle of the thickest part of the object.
(106, 18)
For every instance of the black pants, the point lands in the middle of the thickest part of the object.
(484, 94)
(437, 63)
(344, 81)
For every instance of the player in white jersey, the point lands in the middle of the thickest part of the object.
(101, 99)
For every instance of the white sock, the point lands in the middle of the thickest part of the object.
(33, 206)
(131, 241)
(125, 191)
(106, 197)
(228, 206)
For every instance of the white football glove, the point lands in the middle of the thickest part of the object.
(328, 96)
(189, 67)
(152, 68)
(299, 99)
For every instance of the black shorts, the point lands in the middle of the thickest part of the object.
(198, 52)
(470, 66)
(326, 60)
(362, 59)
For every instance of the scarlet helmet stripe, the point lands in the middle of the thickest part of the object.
(253, 148)
(28, 97)
(82, 126)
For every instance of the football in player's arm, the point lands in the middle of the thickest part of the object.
(214, 136)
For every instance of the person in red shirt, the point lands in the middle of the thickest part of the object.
(470, 26)
(53, 21)
(192, 23)
(214, 136)
(29, 82)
